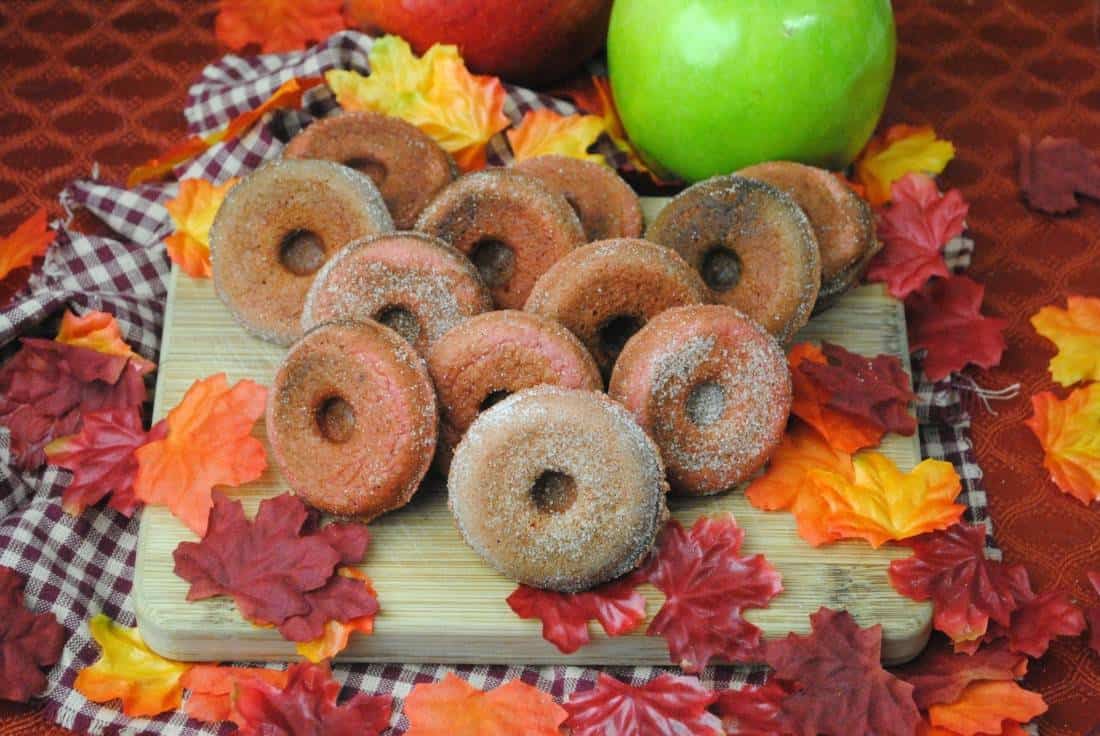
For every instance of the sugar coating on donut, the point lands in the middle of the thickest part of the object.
(275, 230)
(604, 202)
(558, 488)
(510, 225)
(413, 283)
(351, 419)
(713, 390)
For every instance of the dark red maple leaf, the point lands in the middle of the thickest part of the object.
(707, 585)
(668, 704)
(617, 606)
(1039, 620)
(101, 459)
(47, 386)
(940, 676)
(754, 711)
(340, 599)
(1053, 170)
(1092, 613)
(945, 319)
(914, 229)
(307, 707)
(28, 641)
(840, 685)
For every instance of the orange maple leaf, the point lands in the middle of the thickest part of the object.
(1076, 332)
(208, 444)
(277, 25)
(843, 431)
(29, 241)
(985, 707)
(99, 331)
(902, 149)
(1069, 431)
(453, 707)
(193, 211)
(337, 633)
(212, 686)
(543, 132)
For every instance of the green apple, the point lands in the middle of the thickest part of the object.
(706, 87)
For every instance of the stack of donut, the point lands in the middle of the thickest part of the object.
(513, 326)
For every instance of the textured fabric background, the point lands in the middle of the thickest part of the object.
(85, 82)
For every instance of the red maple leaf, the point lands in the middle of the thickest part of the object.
(944, 317)
(665, 705)
(28, 641)
(617, 606)
(1054, 170)
(307, 705)
(101, 459)
(340, 599)
(1039, 620)
(754, 711)
(1092, 613)
(940, 676)
(914, 230)
(707, 585)
(840, 685)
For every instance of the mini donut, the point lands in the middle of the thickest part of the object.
(351, 418)
(510, 225)
(606, 291)
(842, 221)
(558, 488)
(493, 355)
(408, 167)
(276, 228)
(413, 283)
(605, 204)
(712, 388)
(753, 246)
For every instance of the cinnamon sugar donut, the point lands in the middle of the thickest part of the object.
(510, 225)
(605, 204)
(558, 489)
(351, 418)
(489, 357)
(413, 283)
(276, 228)
(842, 221)
(606, 291)
(408, 167)
(753, 246)
(712, 388)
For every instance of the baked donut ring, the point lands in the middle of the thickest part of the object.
(558, 489)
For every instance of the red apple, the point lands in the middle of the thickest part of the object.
(525, 41)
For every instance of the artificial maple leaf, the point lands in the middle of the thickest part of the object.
(277, 26)
(940, 676)
(1069, 432)
(544, 132)
(47, 387)
(1039, 620)
(208, 444)
(944, 317)
(1076, 332)
(983, 708)
(1092, 613)
(841, 687)
(147, 683)
(193, 211)
(754, 711)
(211, 689)
(344, 598)
(27, 242)
(435, 92)
(914, 230)
(29, 641)
(336, 633)
(900, 150)
(101, 459)
(454, 707)
(307, 705)
(966, 589)
(707, 586)
(287, 96)
(617, 606)
(99, 331)
(666, 704)
(1052, 171)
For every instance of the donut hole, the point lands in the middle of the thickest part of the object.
(372, 167)
(554, 492)
(614, 333)
(400, 320)
(493, 398)
(721, 269)
(572, 201)
(335, 419)
(706, 403)
(302, 252)
(495, 261)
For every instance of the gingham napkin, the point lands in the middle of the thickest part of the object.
(79, 566)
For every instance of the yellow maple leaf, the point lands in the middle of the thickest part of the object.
(337, 633)
(1069, 431)
(27, 242)
(1076, 332)
(99, 331)
(193, 211)
(544, 132)
(899, 151)
(128, 669)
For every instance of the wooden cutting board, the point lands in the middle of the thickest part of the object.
(440, 602)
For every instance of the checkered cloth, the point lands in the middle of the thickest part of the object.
(79, 566)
